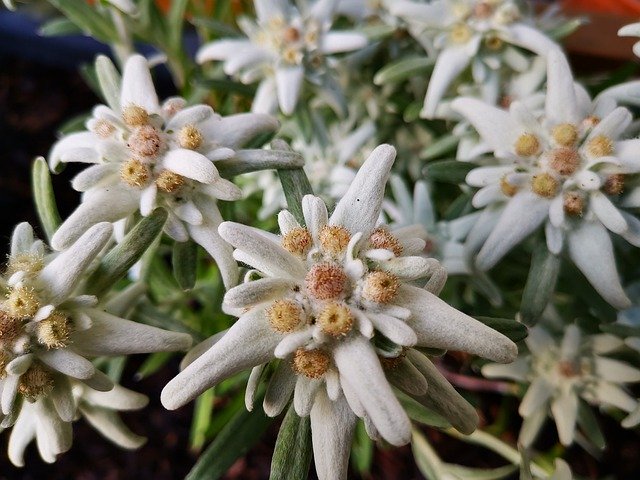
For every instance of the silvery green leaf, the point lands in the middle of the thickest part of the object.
(123, 256)
(403, 69)
(589, 425)
(419, 413)
(443, 145)
(481, 473)
(59, 27)
(516, 331)
(216, 27)
(449, 171)
(246, 161)
(148, 314)
(362, 450)
(232, 442)
(87, 18)
(44, 198)
(109, 80)
(377, 32)
(175, 23)
(567, 28)
(294, 436)
(426, 458)
(540, 285)
(153, 363)
(201, 419)
(185, 263)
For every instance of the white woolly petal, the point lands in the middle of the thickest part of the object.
(279, 390)
(234, 131)
(137, 85)
(63, 274)
(591, 250)
(257, 291)
(315, 215)
(359, 208)
(65, 361)
(561, 104)
(112, 427)
(288, 84)
(190, 116)
(221, 49)
(538, 394)
(249, 342)
(252, 386)
(395, 330)
(304, 394)
(523, 214)
(359, 365)
(337, 42)
(332, 427)
(438, 325)
(608, 213)
(191, 164)
(565, 413)
(22, 433)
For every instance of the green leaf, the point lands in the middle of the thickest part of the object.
(44, 197)
(419, 413)
(148, 314)
(123, 256)
(175, 22)
(541, 284)
(362, 450)
(403, 69)
(152, 364)
(295, 184)
(589, 425)
(292, 454)
(87, 18)
(220, 85)
(426, 458)
(153, 21)
(498, 473)
(443, 145)
(246, 161)
(185, 263)
(567, 28)
(621, 330)
(449, 171)
(201, 419)
(59, 27)
(74, 124)
(234, 440)
(512, 329)
(216, 27)
(109, 80)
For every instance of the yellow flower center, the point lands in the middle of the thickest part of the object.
(135, 173)
(169, 182)
(326, 281)
(54, 331)
(565, 134)
(22, 302)
(145, 141)
(135, 116)
(10, 328)
(564, 160)
(614, 184)
(35, 382)
(297, 241)
(311, 363)
(544, 185)
(507, 188)
(460, 33)
(382, 238)
(573, 203)
(104, 128)
(600, 146)
(334, 239)
(380, 287)
(284, 316)
(190, 137)
(336, 319)
(527, 145)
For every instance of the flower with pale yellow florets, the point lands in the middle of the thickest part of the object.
(568, 169)
(284, 47)
(148, 155)
(485, 34)
(48, 331)
(564, 377)
(39, 421)
(339, 301)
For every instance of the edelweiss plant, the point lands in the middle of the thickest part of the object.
(566, 170)
(563, 377)
(49, 330)
(286, 45)
(482, 33)
(148, 155)
(333, 299)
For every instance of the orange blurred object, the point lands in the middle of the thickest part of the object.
(621, 7)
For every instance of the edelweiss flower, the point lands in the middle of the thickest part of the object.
(285, 46)
(480, 33)
(40, 420)
(444, 238)
(562, 375)
(566, 169)
(150, 155)
(48, 328)
(336, 301)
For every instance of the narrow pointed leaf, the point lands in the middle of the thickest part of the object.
(403, 69)
(44, 198)
(292, 454)
(246, 161)
(185, 263)
(540, 285)
(512, 329)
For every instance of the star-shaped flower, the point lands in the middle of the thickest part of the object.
(562, 375)
(482, 33)
(337, 301)
(49, 330)
(566, 169)
(285, 46)
(148, 155)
